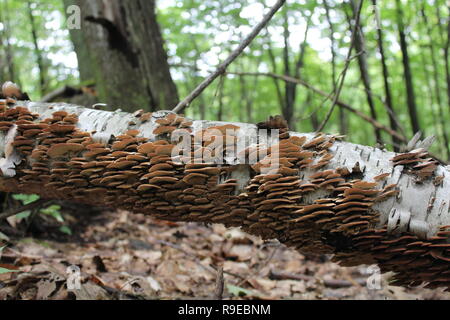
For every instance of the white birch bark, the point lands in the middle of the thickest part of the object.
(419, 209)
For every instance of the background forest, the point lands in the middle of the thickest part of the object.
(398, 71)
(376, 71)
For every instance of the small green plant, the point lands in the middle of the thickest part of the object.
(66, 230)
(52, 210)
(238, 291)
(5, 270)
(25, 199)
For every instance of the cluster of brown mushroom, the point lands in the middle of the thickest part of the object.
(414, 261)
(341, 209)
(277, 197)
(301, 202)
(169, 123)
(23, 119)
(418, 162)
(348, 213)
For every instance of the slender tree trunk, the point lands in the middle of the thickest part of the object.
(312, 192)
(313, 119)
(5, 34)
(273, 63)
(363, 68)
(410, 96)
(252, 92)
(387, 87)
(37, 51)
(249, 100)
(289, 96)
(3, 67)
(220, 98)
(446, 55)
(291, 88)
(437, 119)
(435, 73)
(342, 115)
(244, 95)
(120, 48)
(244, 91)
(200, 99)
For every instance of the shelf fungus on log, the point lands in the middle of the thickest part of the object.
(313, 192)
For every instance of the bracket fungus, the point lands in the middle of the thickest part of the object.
(312, 192)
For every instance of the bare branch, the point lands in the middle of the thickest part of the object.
(30, 206)
(339, 103)
(221, 68)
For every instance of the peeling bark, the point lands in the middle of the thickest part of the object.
(360, 203)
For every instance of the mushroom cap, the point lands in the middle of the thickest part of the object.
(121, 164)
(195, 178)
(146, 148)
(160, 166)
(132, 132)
(122, 144)
(61, 128)
(61, 113)
(163, 130)
(146, 187)
(61, 149)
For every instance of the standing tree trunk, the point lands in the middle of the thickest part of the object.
(248, 91)
(446, 55)
(342, 115)
(120, 48)
(387, 87)
(288, 110)
(291, 88)
(3, 66)
(276, 83)
(5, 43)
(201, 100)
(37, 51)
(363, 68)
(220, 98)
(437, 87)
(429, 86)
(410, 96)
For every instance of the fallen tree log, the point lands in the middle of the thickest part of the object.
(312, 192)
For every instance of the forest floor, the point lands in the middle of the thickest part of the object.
(131, 256)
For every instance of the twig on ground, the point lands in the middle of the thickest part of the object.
(30, 206)
(179, 248)
(218, 293)
(210, 269)
(269, 258)
(221, 68)
(261, 266)
(331, 283)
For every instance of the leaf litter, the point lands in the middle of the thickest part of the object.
(121, 256)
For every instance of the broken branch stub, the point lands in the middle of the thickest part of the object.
(312, 192)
